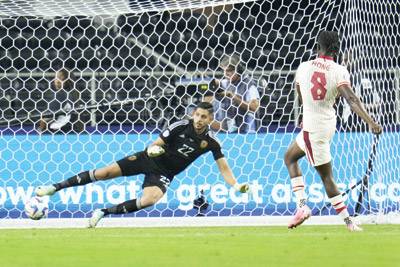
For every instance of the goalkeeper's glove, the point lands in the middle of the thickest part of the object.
(155, 151)
(242, 188)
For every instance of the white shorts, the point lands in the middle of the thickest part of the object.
(316, 145)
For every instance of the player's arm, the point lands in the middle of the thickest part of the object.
(225, 170)
(356, 105)
(228, 176)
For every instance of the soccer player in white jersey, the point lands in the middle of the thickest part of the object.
(319, 82)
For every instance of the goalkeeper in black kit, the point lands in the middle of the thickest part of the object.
(174, 150)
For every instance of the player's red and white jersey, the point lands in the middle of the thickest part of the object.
(319, 80)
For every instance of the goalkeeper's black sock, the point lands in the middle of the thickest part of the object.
(80, 179)
(125, 207)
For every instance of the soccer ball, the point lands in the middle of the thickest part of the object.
(36, 208)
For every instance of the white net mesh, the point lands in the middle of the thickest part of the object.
(130, 75)
(49, 8)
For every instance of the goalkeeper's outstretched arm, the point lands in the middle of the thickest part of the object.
(227, 173)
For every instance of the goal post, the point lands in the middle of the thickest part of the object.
(133, 67)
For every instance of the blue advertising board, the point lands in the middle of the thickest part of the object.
(30, 160)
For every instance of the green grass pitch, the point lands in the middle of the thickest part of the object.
(306, 246)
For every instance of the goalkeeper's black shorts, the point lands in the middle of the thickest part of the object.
(140, 163)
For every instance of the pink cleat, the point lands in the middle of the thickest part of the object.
(352, 227)
(301, 215)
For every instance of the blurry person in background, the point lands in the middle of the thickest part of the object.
(58, 116)
(235, 98)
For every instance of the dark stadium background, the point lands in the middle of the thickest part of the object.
(272, 39)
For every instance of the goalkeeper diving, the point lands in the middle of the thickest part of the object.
(171, 153)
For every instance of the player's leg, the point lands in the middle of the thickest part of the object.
(292, 156)
(127, 166)
(150, 196)
(86, 177)
(82, 178)
(326, 174)
(335, 196)
(154, 187)
(320, 146)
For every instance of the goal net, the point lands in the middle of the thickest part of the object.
(130, 68)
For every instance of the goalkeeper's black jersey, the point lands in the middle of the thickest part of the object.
(183, 146)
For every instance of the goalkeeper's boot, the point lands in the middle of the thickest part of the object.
(45, 190)
(352, 227)
(301, 215)
(96, 217)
